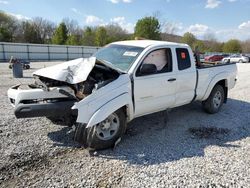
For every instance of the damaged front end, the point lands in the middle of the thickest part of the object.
(57, 88)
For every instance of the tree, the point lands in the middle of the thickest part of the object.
(8, 27)
(232, 46)
(115, 33)
(44, 29)
(189, 38)
(73, 40)
(61, 34)
(5, 35)
(199, 45)
(88, 38)
(101, 36)
(148, 27)
(30, 34)
(246, 46)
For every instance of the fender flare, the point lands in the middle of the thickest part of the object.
(214, 81)
(111, 106)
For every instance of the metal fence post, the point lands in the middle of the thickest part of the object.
(48, 53)
(82, 52)
(67, 52)
(28, 52)
(4, 55)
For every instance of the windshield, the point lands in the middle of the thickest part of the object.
(120, 56)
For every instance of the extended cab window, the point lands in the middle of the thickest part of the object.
(183, 58)
(161, 58)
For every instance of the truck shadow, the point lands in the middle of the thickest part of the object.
(188, 132)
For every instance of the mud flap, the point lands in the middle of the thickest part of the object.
(80, 132)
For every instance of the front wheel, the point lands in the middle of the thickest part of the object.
(215, 100)
(104, 134)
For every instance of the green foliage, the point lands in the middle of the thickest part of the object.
(189, 38)
(5, 35)
(30, 33)
(73, 40)
(101, 36)
(115, 33)
(7, 27)
(61, 34)
(148, 27)
(232, 46)
(200, 46)
(88, 38)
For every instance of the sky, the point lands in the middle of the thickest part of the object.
(222, 19)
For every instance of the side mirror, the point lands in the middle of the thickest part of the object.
(147, 69)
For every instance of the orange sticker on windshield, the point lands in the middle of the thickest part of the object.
(183, 55)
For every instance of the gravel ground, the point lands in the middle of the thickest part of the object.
(193, 149)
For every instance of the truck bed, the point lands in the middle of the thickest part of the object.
(208, 71)
(206, 64)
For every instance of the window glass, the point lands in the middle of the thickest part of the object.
(161, 58)
(183, 58)
(120, 56)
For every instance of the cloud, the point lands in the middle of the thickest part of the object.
(199, 30)
(211, 4)
(19, 16)
(242, 32)
(121, 21)
(4, 2)
(232, 1)
(76, 11)
(93, 20)
(118, 1)
(245, 26)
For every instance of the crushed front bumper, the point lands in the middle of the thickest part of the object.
(56, 109)
(38, 102)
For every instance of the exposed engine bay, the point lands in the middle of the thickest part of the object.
(99, 76)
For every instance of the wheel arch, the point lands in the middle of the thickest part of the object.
(120, 102)
(218, 80)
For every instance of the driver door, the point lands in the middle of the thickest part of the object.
(155, 91)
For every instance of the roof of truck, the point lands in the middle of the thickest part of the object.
(146, 43)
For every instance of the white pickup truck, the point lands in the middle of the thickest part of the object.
(122, 81)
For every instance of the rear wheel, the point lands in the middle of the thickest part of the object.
(104, 134)
(215, 100)
(240, 61)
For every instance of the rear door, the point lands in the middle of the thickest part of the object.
(155, 92)
(186, 76)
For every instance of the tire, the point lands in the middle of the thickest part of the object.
(94, 137)
(10, 66)
(215, 100)
(240, 61)
(27, 66)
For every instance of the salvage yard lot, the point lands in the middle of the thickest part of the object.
(192, 149)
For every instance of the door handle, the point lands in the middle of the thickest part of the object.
(171, 79)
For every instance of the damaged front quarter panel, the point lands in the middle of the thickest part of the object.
(100, 104)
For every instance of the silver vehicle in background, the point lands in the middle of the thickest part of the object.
(238, 58)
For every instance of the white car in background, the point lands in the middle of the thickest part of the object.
(236, 59)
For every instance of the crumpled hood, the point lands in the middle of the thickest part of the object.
(72, 72)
